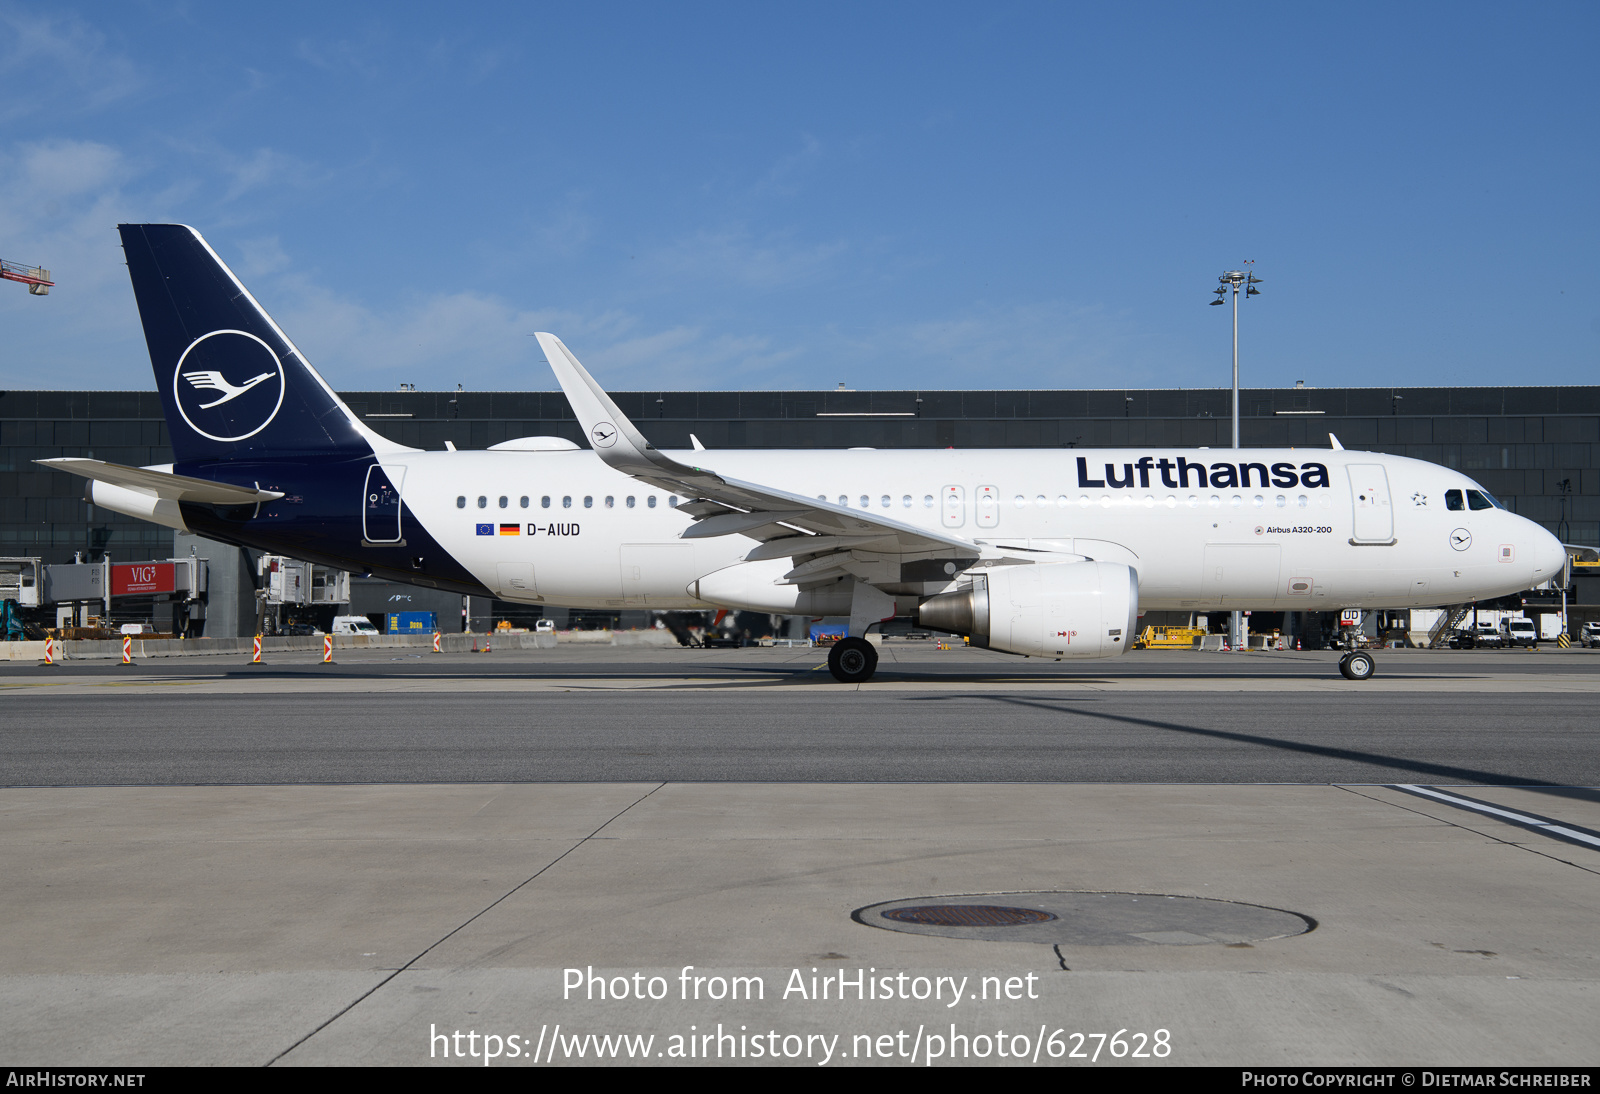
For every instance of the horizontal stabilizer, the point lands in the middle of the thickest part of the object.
(163, 484)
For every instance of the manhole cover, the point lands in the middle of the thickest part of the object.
(966, 915)
(1086, 919)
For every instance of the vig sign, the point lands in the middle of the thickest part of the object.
(142, 578)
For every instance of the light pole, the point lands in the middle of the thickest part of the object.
(1249, 280)
(1564, 533)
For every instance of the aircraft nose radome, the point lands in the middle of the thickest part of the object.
(1548, 555)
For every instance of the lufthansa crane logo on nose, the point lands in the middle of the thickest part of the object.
(604, 434)
(228, 385)
(1461, 539)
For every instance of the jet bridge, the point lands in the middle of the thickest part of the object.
(21, 580)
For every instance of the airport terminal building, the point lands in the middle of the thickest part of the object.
(1536, 448)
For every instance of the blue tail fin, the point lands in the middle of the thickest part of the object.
(232, 384)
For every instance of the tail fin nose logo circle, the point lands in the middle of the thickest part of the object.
(604, 434)
(228, 385)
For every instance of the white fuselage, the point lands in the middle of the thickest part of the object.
(1328, 530)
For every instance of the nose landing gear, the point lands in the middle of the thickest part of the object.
(1357, 665)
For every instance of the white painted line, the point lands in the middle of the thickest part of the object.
(1518, 818)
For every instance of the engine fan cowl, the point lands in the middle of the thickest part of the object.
(1060, 610)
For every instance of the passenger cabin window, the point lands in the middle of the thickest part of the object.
(544, 502)
(588, 501)
(504, 501)
(630, 501)
(566, 502)
(483, 502)
(524, 501)
(1452, 500)
(611, 502)
(651, 501)
(461, 502)
(672, 501)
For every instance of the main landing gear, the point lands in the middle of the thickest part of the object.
(852, 660)
(1357, 665)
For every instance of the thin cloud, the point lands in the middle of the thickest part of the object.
(361, 57)
(1047, 344)
(59, 64)
(784, 177)
(734, 255)
(262, 168)
(64, 169)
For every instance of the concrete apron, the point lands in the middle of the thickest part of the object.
(370, 924)
(209, 647)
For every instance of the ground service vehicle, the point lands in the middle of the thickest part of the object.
(1475, 635)
(1519, 632)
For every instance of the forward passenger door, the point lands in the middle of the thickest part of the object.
(1369, 497)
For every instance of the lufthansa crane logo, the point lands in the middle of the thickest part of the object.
(604, 434)
(228, 385)
(1461, 539)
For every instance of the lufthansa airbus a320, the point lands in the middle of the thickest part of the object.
(1035, 552)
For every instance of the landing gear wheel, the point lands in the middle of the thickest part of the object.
(1357, 666)
(852, 660)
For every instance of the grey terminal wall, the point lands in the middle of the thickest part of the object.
(1536, 448)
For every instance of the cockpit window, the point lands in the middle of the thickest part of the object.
(1480, 499)
(1453, 500)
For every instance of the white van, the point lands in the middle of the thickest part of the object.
(353, 624)
(1519, 632)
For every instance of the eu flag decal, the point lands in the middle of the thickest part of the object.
(510, 529)
(486, 529)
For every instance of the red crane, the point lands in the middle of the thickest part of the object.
(37, 278)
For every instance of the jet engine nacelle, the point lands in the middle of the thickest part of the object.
(1059, 609)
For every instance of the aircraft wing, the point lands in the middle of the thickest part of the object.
(833, 538)
(163, 484)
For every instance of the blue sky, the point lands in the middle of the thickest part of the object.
(733, 196)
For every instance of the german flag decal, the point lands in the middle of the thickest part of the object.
(510, 529)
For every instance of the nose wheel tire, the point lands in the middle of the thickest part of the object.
(1357, 666)
(852, 660)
